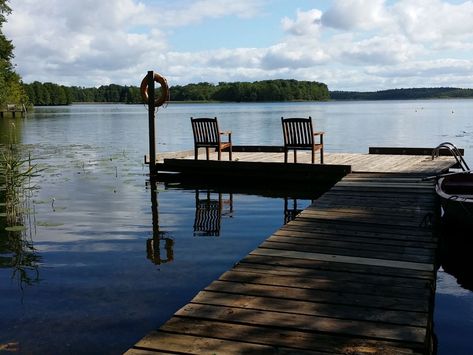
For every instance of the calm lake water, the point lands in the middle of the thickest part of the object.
(100, 265)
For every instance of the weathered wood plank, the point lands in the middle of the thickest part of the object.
(375, 270)
(385, 240)
(304, 322)
(400, 232)
(187, 344)
(320, 283)
(277, 337)
(345, 244)
(309, 308)
(344, 259)
(410, 151)
(265, 267)
(329, 297)
(343, 251)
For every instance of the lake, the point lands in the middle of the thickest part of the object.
(102, 263)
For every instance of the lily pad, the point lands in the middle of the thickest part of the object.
(48, 224)
(15, 229)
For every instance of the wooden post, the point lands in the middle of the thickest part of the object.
(151, 118)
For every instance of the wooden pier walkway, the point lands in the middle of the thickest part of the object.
(12, 110)
(354, 273)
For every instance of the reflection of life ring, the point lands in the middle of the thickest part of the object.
(164, 90)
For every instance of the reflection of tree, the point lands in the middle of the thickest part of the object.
(208, 213)
(16, 243)
(18, 253)
(153, 245)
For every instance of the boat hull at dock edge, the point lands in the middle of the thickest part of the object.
(456, 196)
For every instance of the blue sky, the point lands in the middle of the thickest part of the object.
(347, 44)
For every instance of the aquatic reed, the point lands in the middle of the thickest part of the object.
(16, 241)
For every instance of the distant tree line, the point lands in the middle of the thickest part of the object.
(266, 90)
(41, 94)
(46, 94)
(403, 94)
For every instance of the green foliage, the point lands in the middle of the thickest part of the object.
(11, 90)
(44, 94)
(267, 90)
(404, 94)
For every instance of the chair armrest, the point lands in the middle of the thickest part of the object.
(319, 133)
(229, 133)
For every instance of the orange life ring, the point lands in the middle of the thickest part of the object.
(164, 89)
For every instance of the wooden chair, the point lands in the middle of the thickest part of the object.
(299, 135)
(207, 135)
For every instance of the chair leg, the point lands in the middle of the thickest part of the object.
(321, 155)
(196, 153)
(219, 153)
(285, 155)
(230, 153)
(313, 155)
(207, 151)
(295, 155)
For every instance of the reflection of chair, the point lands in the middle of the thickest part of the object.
(208, 214)
(299, 135)
(207, 135)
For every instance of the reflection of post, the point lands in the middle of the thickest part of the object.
(153, 245)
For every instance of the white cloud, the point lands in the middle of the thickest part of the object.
(386, 50)
(434, 22)
(306, 23)
(362, 44)
(183, 13)
(356, 14)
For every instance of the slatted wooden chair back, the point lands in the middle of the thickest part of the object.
(207, 135)
(206, 132)
(298, 132)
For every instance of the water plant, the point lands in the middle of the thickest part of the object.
(17, 226)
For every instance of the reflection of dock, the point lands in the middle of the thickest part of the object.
(354, 273)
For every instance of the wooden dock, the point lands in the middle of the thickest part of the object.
(12, 111)
(354, 273)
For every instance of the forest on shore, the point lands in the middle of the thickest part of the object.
(44, 94)
(404, 94)
(41, 94)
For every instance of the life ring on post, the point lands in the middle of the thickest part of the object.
(164, 89)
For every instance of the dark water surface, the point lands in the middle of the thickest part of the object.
(100, 264)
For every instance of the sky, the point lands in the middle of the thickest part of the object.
(363, 45)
